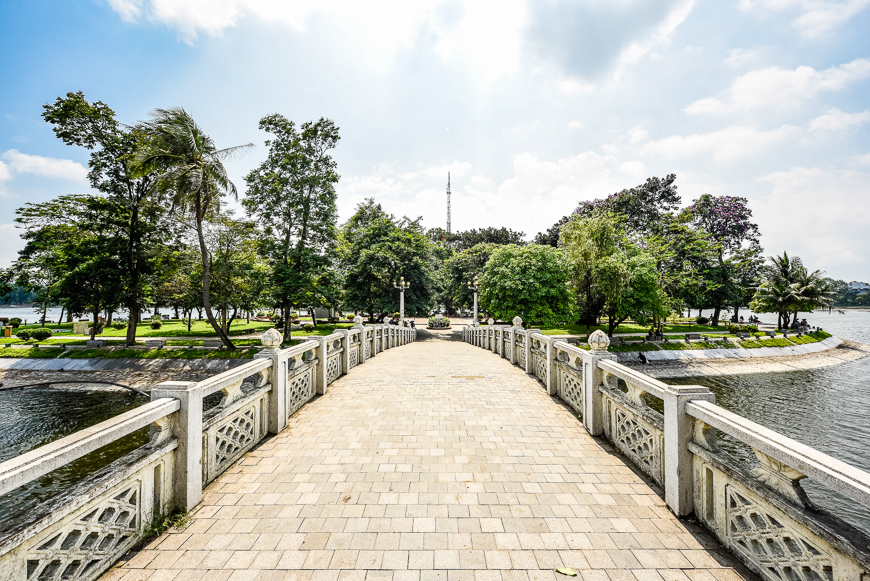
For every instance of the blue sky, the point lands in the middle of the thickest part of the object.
(532, 105)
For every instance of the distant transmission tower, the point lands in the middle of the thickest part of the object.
(448, 202)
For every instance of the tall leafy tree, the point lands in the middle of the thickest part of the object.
(94, 126)
(727, 221)
(529, 281)
(610, 274)
(292, 195)
(188, 170)
(461, 269)
(376, 249)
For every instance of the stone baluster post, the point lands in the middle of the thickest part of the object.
(345, 351)
(187, 427)
(528, 347)
(277, 413)
(551, 369)
(363, 340)
(593, 376)
(518, 326)
(321, 366)
(679, 428)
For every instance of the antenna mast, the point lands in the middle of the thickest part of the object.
(448, 202)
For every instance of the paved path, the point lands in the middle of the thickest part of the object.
(434, 461)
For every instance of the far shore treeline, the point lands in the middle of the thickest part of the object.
(157, 233)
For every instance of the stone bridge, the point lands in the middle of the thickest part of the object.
(505, 456)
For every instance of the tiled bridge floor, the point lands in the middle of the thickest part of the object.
(433, 461)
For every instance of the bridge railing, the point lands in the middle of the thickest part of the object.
(669, 432)
(82, 531)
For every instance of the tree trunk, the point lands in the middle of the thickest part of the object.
(716, 312)
(287, 323)
(94, 326)
(132, 322)
(44, 313)
(176, 311)
(206, 277)
(232, 318)
(313, 316)
(109, 317)
(60, 319)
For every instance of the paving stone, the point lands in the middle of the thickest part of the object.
(436, 461)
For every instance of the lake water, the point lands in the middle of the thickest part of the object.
(827, 408)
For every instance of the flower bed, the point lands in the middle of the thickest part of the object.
(442, 323)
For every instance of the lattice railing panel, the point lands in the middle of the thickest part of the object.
(97, 537)
(507, 348)
(638, 439)
(539, 365)
(333, 368)
(777, 551)
(521, 355)
(571, 387)
(300, 389)
(353, 357)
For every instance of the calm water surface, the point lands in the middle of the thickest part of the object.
(828, 409)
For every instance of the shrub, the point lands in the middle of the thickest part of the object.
(119, 325)
(702, 320)
(15, 322)
(439, 323)
(41, 334)
(156, 323)
(261, 313)
(23, 334)
(4, 320)
(308, 327)
(397, 314)
(350, 317)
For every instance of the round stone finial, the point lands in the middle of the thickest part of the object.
(598, 341)
(357, 320)
(271, 339)
(490, 321)
(517, 321)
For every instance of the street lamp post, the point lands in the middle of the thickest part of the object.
(472, 286)
(402, 285)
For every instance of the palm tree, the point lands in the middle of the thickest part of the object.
(191, 174)
(788, 288)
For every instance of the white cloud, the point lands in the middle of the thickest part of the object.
(836, 120)
(17, 162)
(723, 145)
(862, 159)
(637, 134)
(5, 174)
(814, 17)
(575, 125)
(738, 57)
(781, 88)
(12, 243)
(830, 204)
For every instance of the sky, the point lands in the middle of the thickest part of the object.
(532, 106)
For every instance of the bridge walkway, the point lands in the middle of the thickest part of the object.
(437, 461)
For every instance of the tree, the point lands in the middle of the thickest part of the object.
(113, 145)
(788, 288)
(529, 281)
(465, 239)
(725, 220)
(189, 170)
(375, 250)
(292, 194)
(234, 265)
(609, 274)
(461, 269)
(642, 208)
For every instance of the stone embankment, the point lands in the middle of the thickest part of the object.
(844, 352)
(93, 374)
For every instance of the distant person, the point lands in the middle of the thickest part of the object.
(741, 319)
(412, 325)
(642, 358)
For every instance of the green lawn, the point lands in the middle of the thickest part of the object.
(756, 343)
(172, 329)
(625, 328)
(681, 346)
(7, 352)
(633, 347)
(159, 354)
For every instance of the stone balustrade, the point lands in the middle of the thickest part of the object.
(82, 531)
(760, 513)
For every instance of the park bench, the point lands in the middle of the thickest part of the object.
(693, 336)
(212, 343)
(97, 343)
(742, 335)
(770, 333)
(155, 343)
(616, 341)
